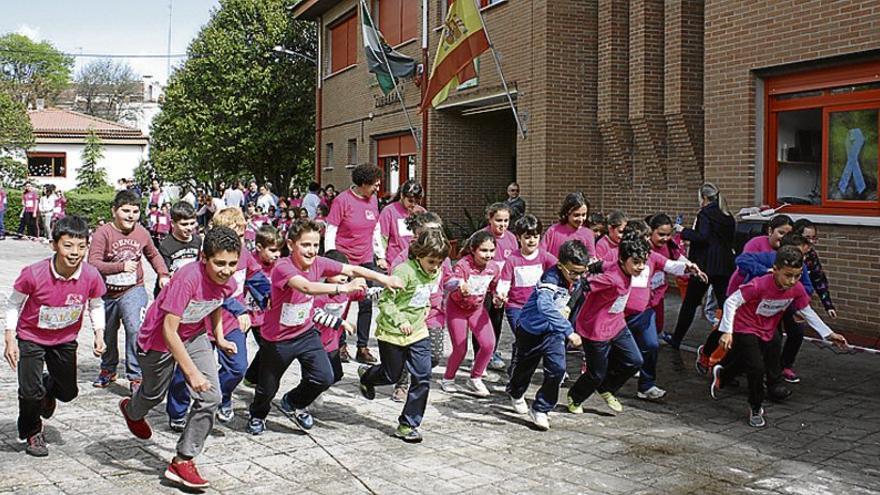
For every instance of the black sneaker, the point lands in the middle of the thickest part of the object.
(756, 418)
(368, 391)
(256, 426)
(36, 445)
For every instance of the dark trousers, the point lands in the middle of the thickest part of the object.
(365, 313)
(415, 359)
(609, 365)
(693, 298)
(276, 357)
(644, 330)
(794, 337)
(754, 357)
(530, 350)
(60, 383)
(336, 365)
(28, 225)
(253, 372)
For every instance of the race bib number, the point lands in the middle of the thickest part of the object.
(658, 280)
(771, 307)
(239, 277)
(29, 203)
(163, 221)
(641, 280)
(57, 209)
(619, 304)
(196, 311)
(56, 318)
(422, 297)
(334, 309)
(402, 229)
(527, 276)
(478, 284)
(122, 279)
(294, 315)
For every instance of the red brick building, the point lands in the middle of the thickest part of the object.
(635, 103)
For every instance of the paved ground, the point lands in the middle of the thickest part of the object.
(825, 440)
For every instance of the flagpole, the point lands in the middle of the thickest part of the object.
(412, 129)
(424, 87)
(519, 126)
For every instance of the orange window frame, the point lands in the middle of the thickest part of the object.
(52, 155)
(401, 147)
(823, 81)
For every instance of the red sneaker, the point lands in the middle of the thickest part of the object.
(185, 473)
(139, 428)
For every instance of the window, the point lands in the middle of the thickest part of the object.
(352, 151)
(823, 134)
(343, 43)
(328, 156)
(397, 159)
(398, 20)
(47, 164)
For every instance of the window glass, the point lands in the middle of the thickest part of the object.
(798, 157)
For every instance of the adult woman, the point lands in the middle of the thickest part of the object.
(711, 248)
(351, 226)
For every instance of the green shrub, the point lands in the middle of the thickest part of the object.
(89, 205)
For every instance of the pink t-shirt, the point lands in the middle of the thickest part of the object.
(291, 311)
(254, 310)
(294, 203)
(642, 285)
(602, 315)
(524, 274)
(163, 223)
(392, 225)
(52, 313)
(765, 305)
(337, 305)
(246, 268)
(437, 313)
(658, 279)
(192, 296)
(480, 282)
(155, 197)
(110, 249)
(505, 245)
(260, 220)
(755, 245)
(558, 233)
(3, 203)
(607, 250)
(29, 202)
(153, 221)
(355, 219)
(60, 208)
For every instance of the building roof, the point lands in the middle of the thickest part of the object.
(310, 10)
(59, 123)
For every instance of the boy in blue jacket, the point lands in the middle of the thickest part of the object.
(541, 332)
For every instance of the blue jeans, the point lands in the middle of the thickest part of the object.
(530, 349)
(414, 359)
(512, 318)
(230, 373)
(610, 363)
(2, 223)
(129, 310)
(644, 330)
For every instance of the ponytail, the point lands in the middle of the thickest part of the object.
(713, 194)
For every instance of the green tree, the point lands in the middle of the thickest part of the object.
(31, 70)
(105, 88)
(16, 137)
(90, 175)
(234, 109)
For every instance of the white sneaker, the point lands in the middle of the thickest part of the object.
(477, 387)
(519, 405)
(653, 393)
(540, 419)
(448, 386)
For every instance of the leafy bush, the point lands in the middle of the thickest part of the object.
(89, 205)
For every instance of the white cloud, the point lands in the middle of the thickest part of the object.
(31, 32)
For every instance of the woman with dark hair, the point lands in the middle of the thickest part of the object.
(711, 248)
(394, 235)
(351, 228)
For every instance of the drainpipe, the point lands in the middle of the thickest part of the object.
(319, 101)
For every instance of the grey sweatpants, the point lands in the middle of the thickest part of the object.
(158, 369)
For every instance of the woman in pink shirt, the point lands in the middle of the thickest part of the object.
(473, 277)
(571, 225)
(351, 228)
(393, 232)
(610, 350)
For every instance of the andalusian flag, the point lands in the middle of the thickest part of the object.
(374, 46)
(463, 40)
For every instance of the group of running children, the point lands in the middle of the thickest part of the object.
(560, 289)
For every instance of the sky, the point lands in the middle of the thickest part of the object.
(122, 27)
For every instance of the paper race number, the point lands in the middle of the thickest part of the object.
(527, 276)
(619, 304)
(196, 311)
(56, 318)
(770, 307)
(122, 279)
(294, 315)
(422, 297)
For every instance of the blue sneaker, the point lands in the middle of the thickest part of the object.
(302, 416)
(256, 426)
(669, 339)
(104, 379)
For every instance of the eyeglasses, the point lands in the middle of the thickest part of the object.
(575, 274)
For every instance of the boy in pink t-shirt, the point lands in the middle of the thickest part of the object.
(43, 318)
(610, 351)
(173, 335)
(748, 327)
(269, 242)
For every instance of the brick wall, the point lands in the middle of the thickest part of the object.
(745, 37)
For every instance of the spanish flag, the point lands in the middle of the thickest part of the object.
(463, 40)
